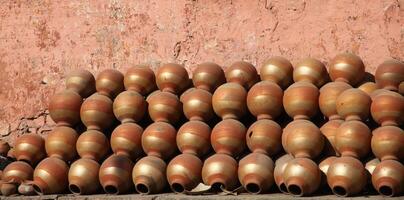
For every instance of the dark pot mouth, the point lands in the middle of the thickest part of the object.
(142, 188)
(295, 190)
(283, 189)
(339, 191)
(38, 189)
(178, 188)
(75, 189)
(217, 187)
(386, 191)
(110, 189)
(253, 188)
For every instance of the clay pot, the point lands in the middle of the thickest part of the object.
(300, 100)
(368, 87)
(346, 176)
(26, 188)
(302, 177)
(50, 176)
(197, 104)
(302, 139)
(256, 173)
(353, 139)
(64, 108)
(353, 104)
(390, 74)
(17, 172)
(61, 143)
(83, 177)
(388, 178)
(323, 166)
(229, 101)
(114, 174)
(193, 137)
(208, 76)
(126, 140)
(220, 171)
(141, 79)
(92, 144)
(184, 172)
(172, 78)
(229, 137)
(264, 100)
(96, 112)
(278, 70)
(11, 154)
(4, 148)
(158, 140)
(129, 106)
(164, 107)
(347, 67)
(109, 83)
(328, 98)
(387, 108)
(371, 165)
(149, 175)
(312, 71)
(242, 73)
(30, 148)
(264, 136)
(329, 130)
(8, 189)
(81, 81)
(388, 143)
(401, 88)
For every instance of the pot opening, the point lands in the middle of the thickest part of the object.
(176, 187)
(110, 189)
(142, 188)
(339, 191)
(217, 187)
(74, 189)
(37, 189)
(295, 190)
(253, 188)
(386, 191)
(283, 188)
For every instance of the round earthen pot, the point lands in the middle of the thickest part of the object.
(390, 74)
(302, 177)
(310, 70)
(329, 130)
(242, 73)
(64, 108)
(61, 143)
(302, 139)
(172, 78)
(208, 76)
(229, 137)
(158, 139)
(371, 165)
(264, 100)
(50, 176)
(197, 104)
(328, 98)
(129, 106)
(83, 177)
(229, 101)
(256, 173)
(353, 139)
(164, 107)
(96, 112)
(193, 137)
(114, 174)
(26, 188)
(81, 81)
(353, 104)
(184, 173)
(324, 165)
(220, 171)
(93, 145)
(4, 148)
(109, 83)
(29, 148)
(368, 87)
(8, 189)
(300, 100)
(388, 143)
(278, 70)
(141, 79)
(280, 165)
(17, 172)
(149, 175)
(346, 176)
(387, 108)
(388, 178)
(347, 67)
(264, 136)
(126, 139)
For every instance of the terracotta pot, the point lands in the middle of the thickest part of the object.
(328, 98)
(264, 136)
(229, 101)
(300, 100)
(371, 165)
(29, 148)
(208, 76)
(329, 130)
(129, 106)
(302, 139)
(141, 79)
(347, 67)
(26, 188)
(220, 171)
(353, 104)
(387, 108)
(229, 137)
(164, 107)
(368, 87)
(92, 144)
(149, 175)
(302, 177)
(81, 81)
(4, 148)
(158, 140)
(346, 176)
(17, 172)
(126, 140)
(8, 189)
(388, 143)
(388, 178)
(50, 176)
(114, 174)
(264, 100)
(197, 104)
(401, 88)
(61, 143)
(310, 70)
(278, 70)
(390, 74)
(172, 78)
(256, 173)
(243, 73)
(193, 137)
(11, 154)
(96, 112)
(324, 165)
(64, 108)
(353, 139)
(83, 176)
(184, 173)
(109, 83)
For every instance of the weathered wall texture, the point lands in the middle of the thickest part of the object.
(41, 40)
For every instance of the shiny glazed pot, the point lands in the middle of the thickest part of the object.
(208, 76)
(388, 178)
(300, 100)
(256, 173)
(29, 148)
(4, 148)
(149, 175)
(96, 112)
(353, 139)
(114, 174)
(368, 87)
(126, 140)
(61, 143)
(50, 176)
(164, 107)
(141, 79)
(387, 108)
(193, 137)
(242, 73)
(278, 70)
(184, 172)
(329, 130)
(264, 136)
(109, 83)
(17, 172)
(220, 171)
(302, 177)
(229, 137)
(81, 81)
(388, 143)
(172, 78)
(158, 139)
(93, 145)
(64, 108)
(229, 101)
(347, 67)
(129, 106)
(328, 98)
(264, 100)
(353, 104)
(390, 74)
(197, 104)
(280, 165)
(312, 71)
(83, 177)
